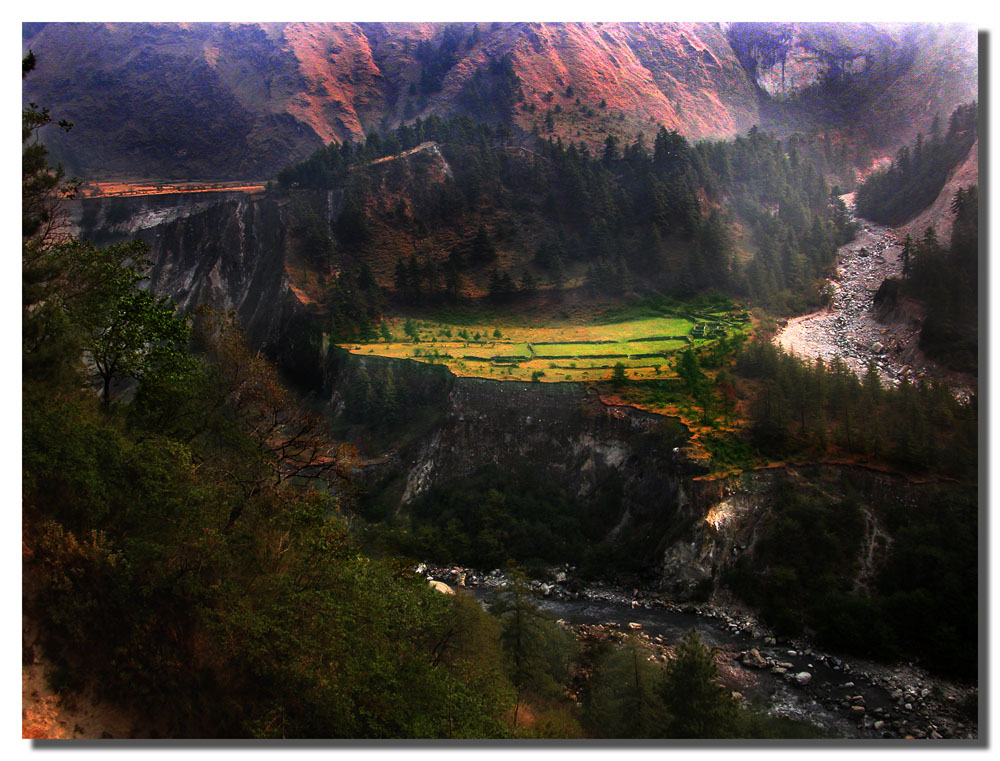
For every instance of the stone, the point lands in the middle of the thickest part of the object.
(779, 670)
(878, 724)
(858, 709)
(634, 626)
(753, 659)
(802, 678)
(440, 586)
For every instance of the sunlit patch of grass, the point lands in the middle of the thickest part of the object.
(500, 347)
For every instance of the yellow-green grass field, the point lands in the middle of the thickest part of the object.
(553, 352)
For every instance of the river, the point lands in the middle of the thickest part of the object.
(844, 696)
(849, 329)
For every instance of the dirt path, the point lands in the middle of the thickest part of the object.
(849, 330)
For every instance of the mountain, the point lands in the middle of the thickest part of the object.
(882, 81)
(212, 101)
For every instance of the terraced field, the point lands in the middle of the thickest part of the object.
(555, 352)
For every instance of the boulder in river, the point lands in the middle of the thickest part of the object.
(802, 678)
(753, 659)
(440, 586)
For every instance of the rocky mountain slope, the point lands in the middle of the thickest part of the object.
(939, 214)
(883, 81)
(242, 100)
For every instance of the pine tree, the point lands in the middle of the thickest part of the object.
(538, 652)
(699, 707)
(483, 250)
(618, 376)
(621, 699)
(528, 284)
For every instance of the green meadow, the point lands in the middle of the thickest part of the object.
(553, 352)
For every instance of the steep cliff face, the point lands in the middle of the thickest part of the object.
(562, 431)
(685, 530)
(168, 100)
(787, 59)
(884, 81)
(244, 252)
(726, 518)
(942, 76)
(228, 251)
(242, 100)
(683, 76)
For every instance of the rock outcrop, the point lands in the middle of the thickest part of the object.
(888, 79)
(229, 251)
(560, 430)
(724, 518)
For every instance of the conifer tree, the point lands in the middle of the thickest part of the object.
(698, 706)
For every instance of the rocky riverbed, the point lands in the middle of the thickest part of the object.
(846, 697)
(849, 328)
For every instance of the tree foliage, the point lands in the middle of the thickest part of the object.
(800, 407)
(622, 698)
(698, 706)
(539, 653)
(631, 218)
(946, 279)
(918, 172)
(189, 555)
